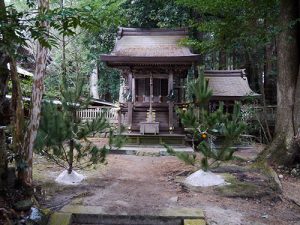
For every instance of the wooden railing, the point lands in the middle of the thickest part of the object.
(111, 114)
(270, 112)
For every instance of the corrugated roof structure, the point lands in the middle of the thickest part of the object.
(135, 45)
(229, 84)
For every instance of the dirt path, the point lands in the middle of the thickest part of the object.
(144, 185)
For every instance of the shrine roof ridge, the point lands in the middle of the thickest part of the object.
(125, 31)
(225, 73)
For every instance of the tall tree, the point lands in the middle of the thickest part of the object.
(232, 27)
(94, 83)
(36, 99)
(286, 144)
(10, 39)
(4, 59)
(4, 76)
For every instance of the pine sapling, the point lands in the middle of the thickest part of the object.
(204, 127)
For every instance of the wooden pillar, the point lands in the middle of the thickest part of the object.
(119, 119)
(151, 98)
(171, 104)
(130, 105)
(133, 89)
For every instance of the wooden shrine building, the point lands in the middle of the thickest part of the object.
(228, 86)
(154, 67)
(154, 70)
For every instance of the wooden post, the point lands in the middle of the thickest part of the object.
(151, 97)
(119, 118)
(130, 102)
(133, 89)
(171, 104)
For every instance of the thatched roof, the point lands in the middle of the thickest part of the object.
(229, 84)
(150, 46)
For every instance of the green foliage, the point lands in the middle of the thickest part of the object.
(11, 30)
(200, 90)
(155, 14)
(26, 85)
(96, 35)
(240, 33)
(188, 118)
(19, 27)
(234, 24)
(204, 128)
(116, 140)
(63, 137)
(189, 159)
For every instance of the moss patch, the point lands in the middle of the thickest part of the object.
(229, 178)
(246, 185)
(194, 222)
(60, 218)
(239, 189)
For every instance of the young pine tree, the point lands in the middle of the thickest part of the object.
(203, 127)
(63, 137)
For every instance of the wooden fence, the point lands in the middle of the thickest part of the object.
(111, 114)
(270, 113)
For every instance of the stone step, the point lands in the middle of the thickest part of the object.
(94, 215)
(151, 150)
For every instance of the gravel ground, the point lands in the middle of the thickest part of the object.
(145, 185)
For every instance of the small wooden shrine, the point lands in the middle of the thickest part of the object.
(228, 86)
(154, 67)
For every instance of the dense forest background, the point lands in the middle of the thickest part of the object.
(228, 35)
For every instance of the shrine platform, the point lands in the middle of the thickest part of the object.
(136, 138)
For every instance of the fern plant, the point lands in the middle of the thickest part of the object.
(203, 127)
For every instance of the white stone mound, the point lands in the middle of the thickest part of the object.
(204, 179)
(69, 179)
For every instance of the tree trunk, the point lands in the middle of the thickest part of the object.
(4, 76)
(284, 147)
(264, 121)
(222, 60)
(4, 109)
(3, 157)
(94, 83)
(71, 156)
(36, 100)
(63, 61)
(268, 70)
(235, 60)
(252, 71)
(17, 113)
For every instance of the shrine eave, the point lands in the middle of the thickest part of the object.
(112, 60)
